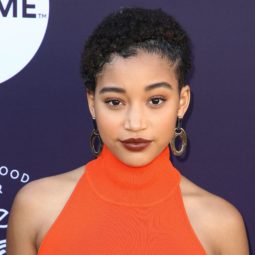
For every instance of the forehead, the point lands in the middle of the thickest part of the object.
(139, 70)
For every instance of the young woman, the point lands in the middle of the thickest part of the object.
(130, 199)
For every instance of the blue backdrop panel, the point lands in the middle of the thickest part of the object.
(45, 124)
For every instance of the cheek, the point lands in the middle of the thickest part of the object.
(164, 122)
(165, 127)
(108, 124)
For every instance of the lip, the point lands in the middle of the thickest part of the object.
(136, 140)
(136, 144)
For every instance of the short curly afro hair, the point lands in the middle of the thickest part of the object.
(128, 30)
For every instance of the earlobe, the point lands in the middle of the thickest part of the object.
(184, 100)
(91, 100)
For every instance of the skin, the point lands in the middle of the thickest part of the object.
(137, 112)
(147, 107)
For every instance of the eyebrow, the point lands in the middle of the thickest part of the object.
(147, 88)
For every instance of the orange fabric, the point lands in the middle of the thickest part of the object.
(116, 209)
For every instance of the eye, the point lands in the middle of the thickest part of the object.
(155, 101)
(113, 103)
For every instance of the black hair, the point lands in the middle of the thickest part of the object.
(128, 30)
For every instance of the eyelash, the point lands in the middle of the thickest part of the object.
(111, 100)
(108, 101)
(163, 99)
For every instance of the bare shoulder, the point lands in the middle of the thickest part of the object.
(52, 185)
(45, 196)
(219, 223)
(47, 189)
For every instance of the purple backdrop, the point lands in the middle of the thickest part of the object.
(45, 124)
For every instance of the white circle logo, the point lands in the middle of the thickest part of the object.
(23, 24)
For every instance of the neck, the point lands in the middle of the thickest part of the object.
(119, 183)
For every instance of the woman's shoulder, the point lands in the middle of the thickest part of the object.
(47, 196)
(37, 204)
(217, 220)
(209, 204)
(37, 191)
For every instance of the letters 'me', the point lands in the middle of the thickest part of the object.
(4, 11)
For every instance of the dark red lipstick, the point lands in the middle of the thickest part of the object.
(136, 144)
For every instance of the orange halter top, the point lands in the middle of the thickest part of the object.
(116, 209)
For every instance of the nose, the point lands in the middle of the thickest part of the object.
(135, 119)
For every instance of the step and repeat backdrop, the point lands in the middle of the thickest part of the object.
(44, 121)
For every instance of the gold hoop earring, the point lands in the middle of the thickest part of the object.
(96, 150)
(179, 133)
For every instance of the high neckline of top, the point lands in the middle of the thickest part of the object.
(119, 183)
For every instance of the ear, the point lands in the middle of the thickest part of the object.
(91, 103)
(184, 101)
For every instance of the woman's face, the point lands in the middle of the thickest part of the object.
(137, 97)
